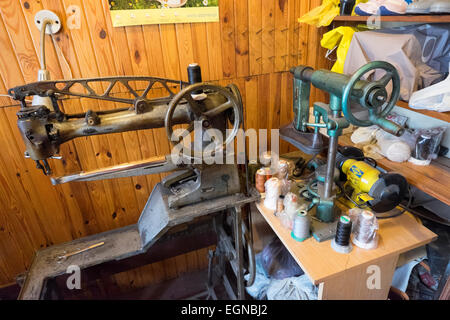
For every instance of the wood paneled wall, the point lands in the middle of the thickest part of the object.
(254, 45)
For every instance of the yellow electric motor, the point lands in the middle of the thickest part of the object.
(367, 186)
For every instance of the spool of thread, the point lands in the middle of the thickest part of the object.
(268, 172)
(266, 158)
(365, 231)
(283, 169)
(341, 242)
(273, 190)
(280, 205)
(291, 204)
(260, 180)
(300, 230)
(253, 166)
(195, 75)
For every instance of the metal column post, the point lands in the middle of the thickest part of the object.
(332, 149)
(239, 252)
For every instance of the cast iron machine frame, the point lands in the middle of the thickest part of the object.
(196, 187)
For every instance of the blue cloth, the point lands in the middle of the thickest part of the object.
(402, 274)
(359, 12)
(386, 12)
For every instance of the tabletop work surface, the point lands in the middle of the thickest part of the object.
(320, 262)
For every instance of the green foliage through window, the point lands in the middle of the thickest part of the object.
(154, 4)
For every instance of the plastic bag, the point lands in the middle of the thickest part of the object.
(259, 287)
(277, 262)
(426, 145)
(341, 38)
(435, 97)
(298, 288)
(263, 287)
(364, 135)
(398, 119)
(324, 14)
(375, 140)
(392, 147)
(365, 228)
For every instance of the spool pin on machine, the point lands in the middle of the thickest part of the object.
(194, 189)
(382, 192)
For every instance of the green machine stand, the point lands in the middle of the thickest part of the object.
(337, 115)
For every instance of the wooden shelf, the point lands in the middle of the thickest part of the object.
(445, 116)
(402, 18)
(432, 179)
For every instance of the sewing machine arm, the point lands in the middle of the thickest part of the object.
(45, 127)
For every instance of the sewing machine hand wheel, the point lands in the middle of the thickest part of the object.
(373, 96)
(205, 115)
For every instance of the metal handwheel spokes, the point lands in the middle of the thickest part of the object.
(375, 95)
(205, 113)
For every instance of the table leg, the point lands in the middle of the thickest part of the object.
(369, 281)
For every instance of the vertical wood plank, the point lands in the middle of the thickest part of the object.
(293, 33)
(200, 49)
(185, 48)
(226, 9)
(263, 101)
(255, 36)
(281, 34)
(170, 50)
(251, 106)
(268, 36)
(241, 38)
(214, 50)
(303, 33)
(274, 101)
(153, 47)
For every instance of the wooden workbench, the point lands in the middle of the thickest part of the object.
(345, 276)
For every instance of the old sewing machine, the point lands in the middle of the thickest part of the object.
(193, 190)
(343, 89)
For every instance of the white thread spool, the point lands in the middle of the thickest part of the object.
(280, 205)
(365, 231)
(266, 159)
(283, 169)
(300, 229)
(291, 204)
(273, 191)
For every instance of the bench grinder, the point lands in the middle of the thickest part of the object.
(337, 115)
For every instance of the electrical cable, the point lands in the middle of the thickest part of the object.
(405, 208)
(43, 61)
(309, 187)
(305, 194)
